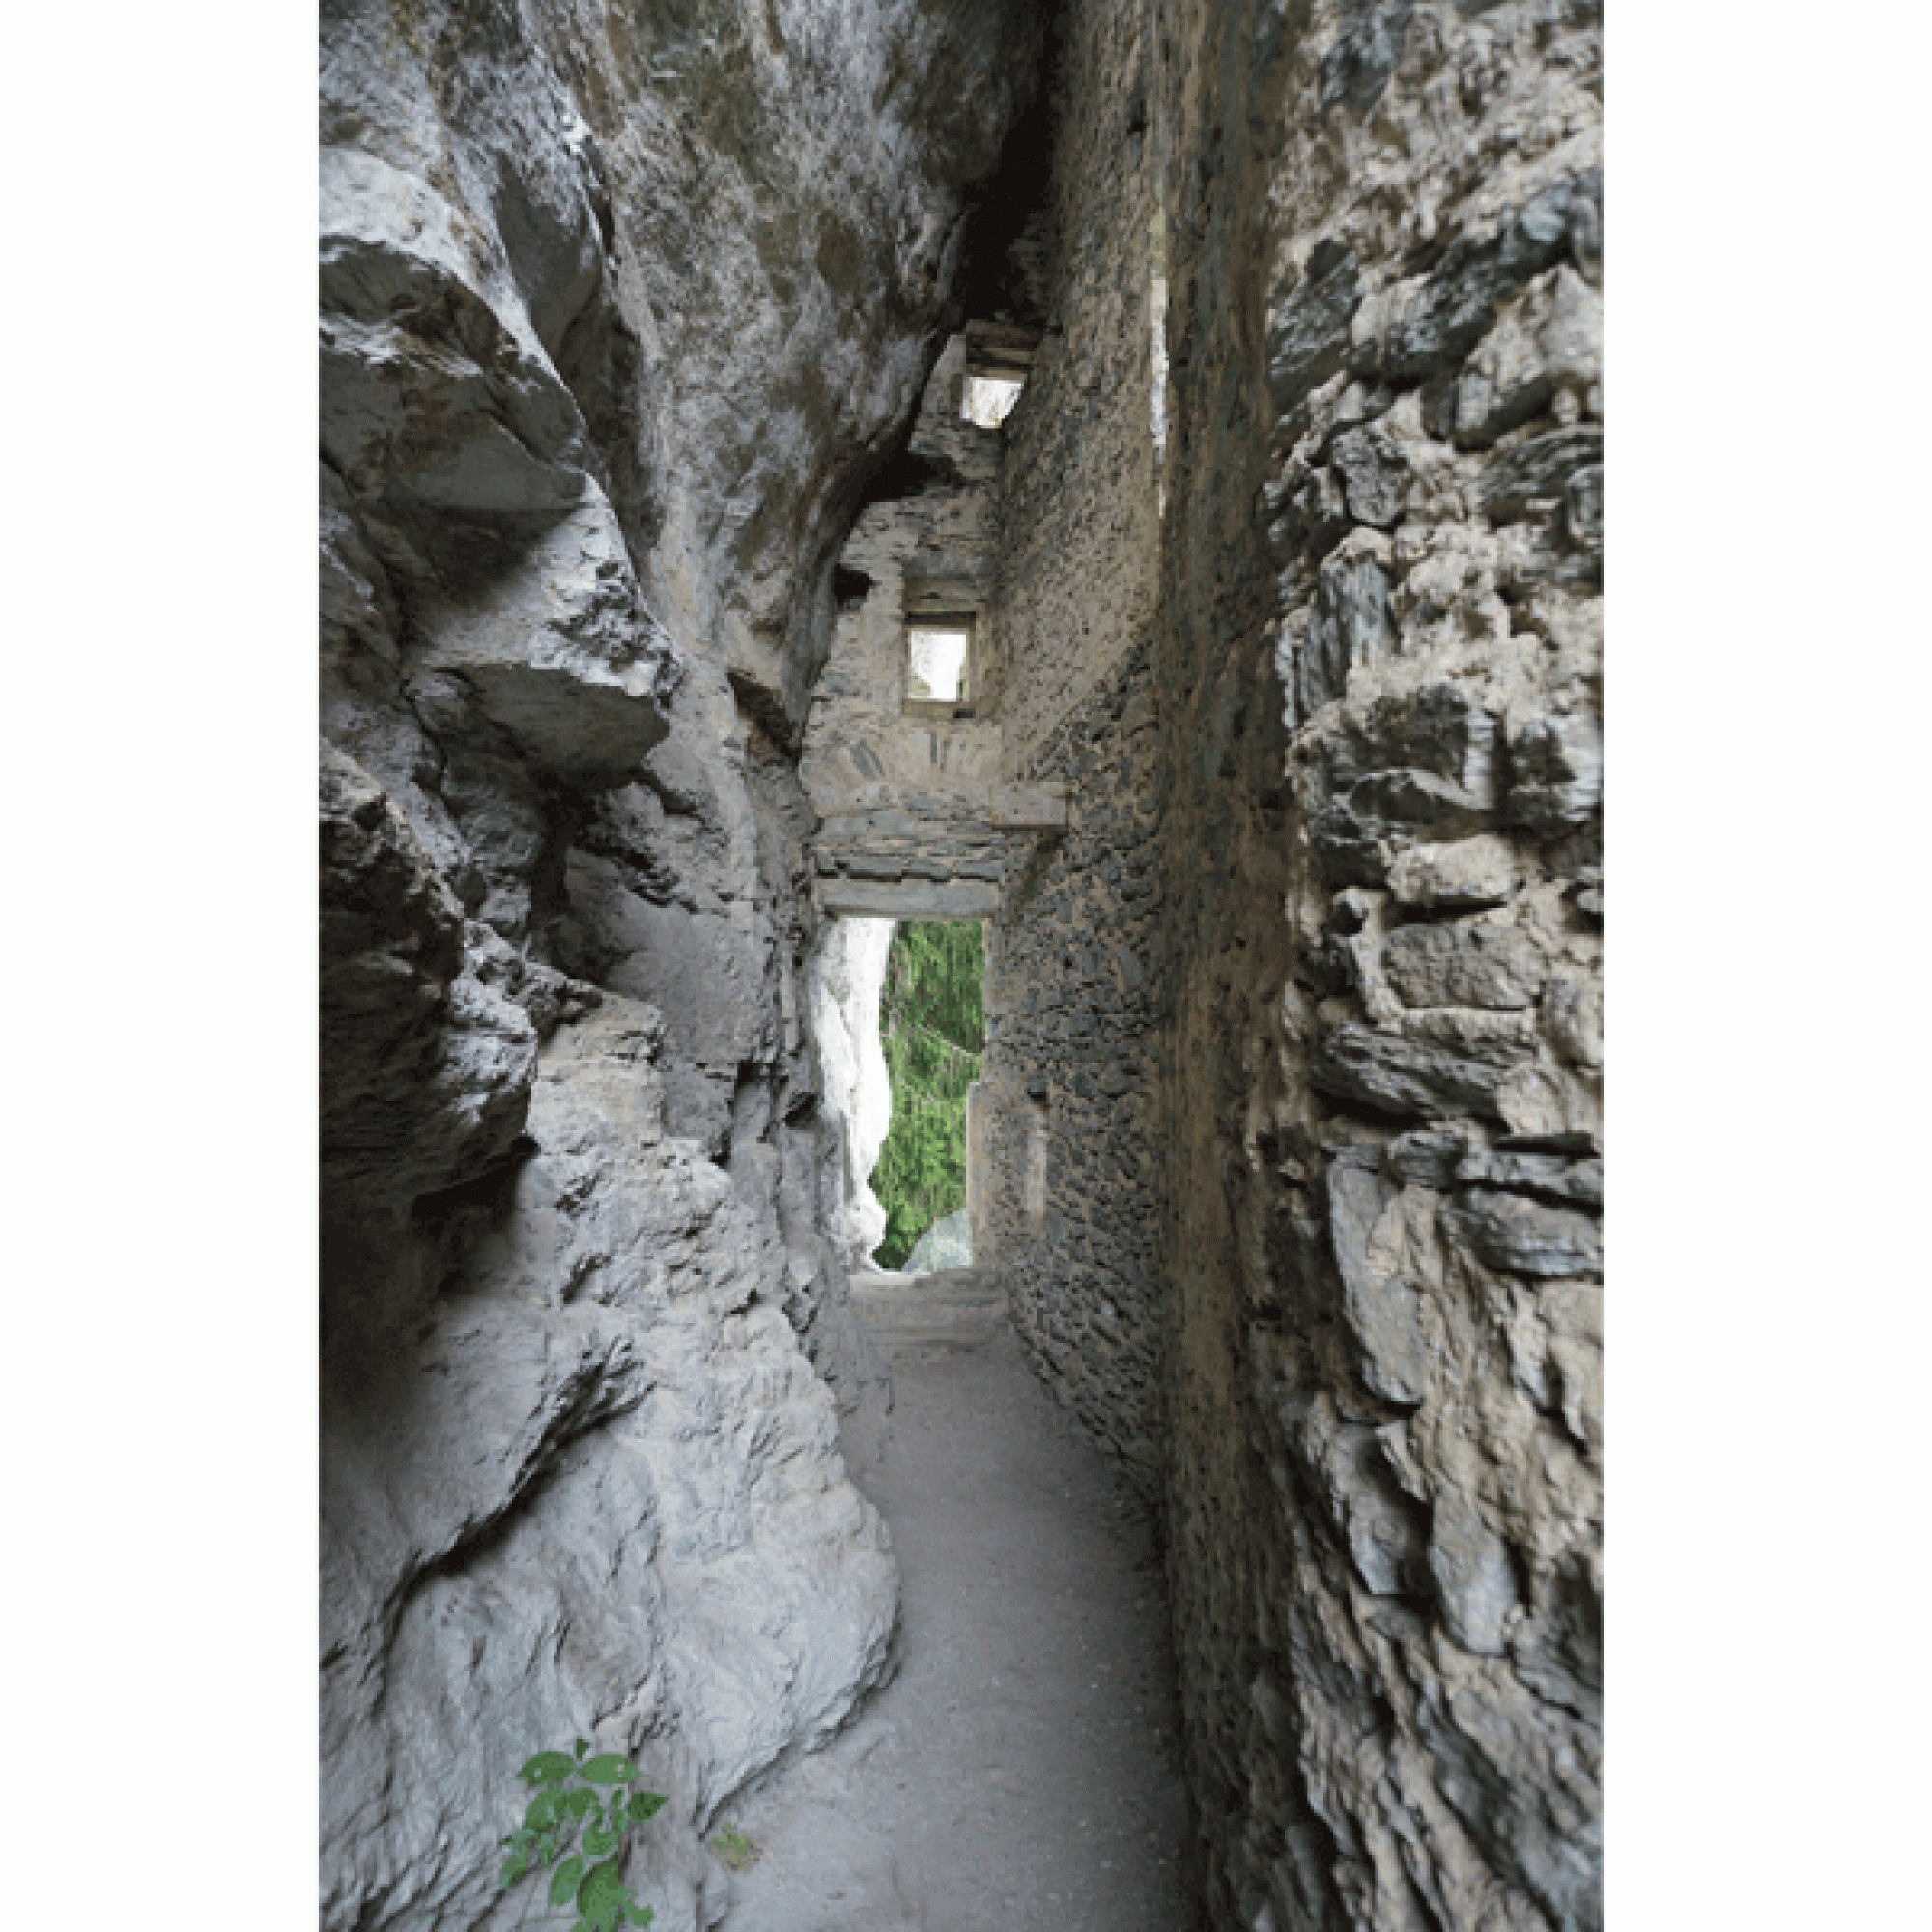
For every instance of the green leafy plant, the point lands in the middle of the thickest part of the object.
(932, 1025)
(575, 1830)
(733, 1847)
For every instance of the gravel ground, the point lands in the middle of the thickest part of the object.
(1020, 1771)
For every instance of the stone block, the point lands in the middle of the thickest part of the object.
(1531, 478)
(1355, 70)
(1427, 1159)
(1497, 967)
(1555, 1176)
(1555, 770)
(1395, 1074)
(1308, 334)
(1373, 473)
(1383, 1311)
(874, 865)
(1516, 1235)
(1028, 807)
(1453, 309)
(1350, 625)
(1468, 872)
(1471, 1565)
(909, 898)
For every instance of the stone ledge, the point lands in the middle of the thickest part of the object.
(909, 898)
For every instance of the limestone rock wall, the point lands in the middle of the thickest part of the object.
(621, 310)
(845, 977)
(1379, 677)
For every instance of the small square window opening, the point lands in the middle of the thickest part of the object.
(989, 400)
(936, 663)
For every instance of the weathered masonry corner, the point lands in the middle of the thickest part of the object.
(917, 811)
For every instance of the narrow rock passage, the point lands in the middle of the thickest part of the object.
(1020, 1772)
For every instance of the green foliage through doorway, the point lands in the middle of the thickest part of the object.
(933, 1024)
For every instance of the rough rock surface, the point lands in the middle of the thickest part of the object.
(1381, 636)
(619, 313)
(846, 977)
(597, 1491)
(1294, 1174)
(1286, 570)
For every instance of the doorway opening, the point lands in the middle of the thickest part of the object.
(932, 1029)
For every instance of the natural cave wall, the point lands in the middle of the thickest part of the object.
(621, 309)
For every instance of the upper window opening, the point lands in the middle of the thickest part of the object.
(938, 655)
(999, 357)
(989, 400)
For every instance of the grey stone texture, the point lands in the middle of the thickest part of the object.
(1294, 1086)
(640, 436)
(894, 783)
(1379, 662)
(1069, 1199)
(619, 311)
(544, 1515)
(1070, 1206)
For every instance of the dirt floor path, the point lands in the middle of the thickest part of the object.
(1020, 1771)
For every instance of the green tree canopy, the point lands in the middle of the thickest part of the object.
(932, 1023)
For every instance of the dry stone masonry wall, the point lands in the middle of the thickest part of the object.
(1070, 1200)
(924, 536)
(1079, 515)
(1071, 1187)
(1379, 668)
(1372, 938)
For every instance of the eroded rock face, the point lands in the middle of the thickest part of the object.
(844, 979)
(619, 311)
(598, 1492)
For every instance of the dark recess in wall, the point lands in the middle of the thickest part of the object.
(1002, 276)
(849, 588)
(905, 475)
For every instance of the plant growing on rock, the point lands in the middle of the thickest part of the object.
(575, 1830)
(732, 1846)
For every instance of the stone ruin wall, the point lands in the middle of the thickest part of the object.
(1069, 1202)
(1378, 666)
(904, 798)
(1361, 734)
(1067, 1191)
